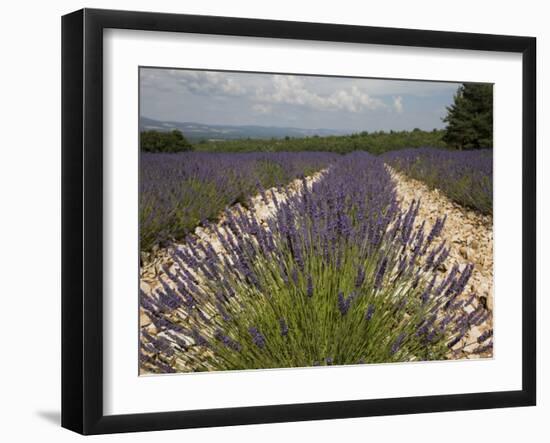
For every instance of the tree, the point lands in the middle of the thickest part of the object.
(470, 118)
(157, 141)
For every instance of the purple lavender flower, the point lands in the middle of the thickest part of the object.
(369, 313)
(402, 266)
(446, 320)
(199, 339)
(309, 286)
(294, 275)
(147, 303)
(397, 343)
(163, 367)
(159, 343)
(344, 303)
(477, 317)
(168, 297)
(178, 341)
(408, 223)
(226, 317)
(483, 337)
(360, 277)
(463, 280)
(284, 327)
(441, 258)
(227, 341)
(422, 328)
(402, 304)
(380, 273)
(470, 300)
(455, 340)
(484, 348)
(436, 231)
(430, 337)
(257, 338)
(164, 324)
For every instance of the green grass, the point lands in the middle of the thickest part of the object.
(318, 332)
(375, 143)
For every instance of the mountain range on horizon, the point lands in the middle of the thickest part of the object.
(200, 131)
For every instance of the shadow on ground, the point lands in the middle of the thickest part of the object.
(53, 417)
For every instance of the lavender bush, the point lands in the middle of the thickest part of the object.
(179, 191)
(464, 176)
(339, 275)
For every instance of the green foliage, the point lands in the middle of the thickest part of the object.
(470, 118)
(184, 213)
(266, 173)
(157, 141)
(270, 173)
(318, 332)
(375, 142)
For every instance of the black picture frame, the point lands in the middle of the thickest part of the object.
(82, 220)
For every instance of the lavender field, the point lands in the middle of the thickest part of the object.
(464, 176)
(336, 252)
(182, 190)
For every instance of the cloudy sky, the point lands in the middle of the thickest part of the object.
(351, 104)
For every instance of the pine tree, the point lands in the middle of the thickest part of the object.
(470, 118)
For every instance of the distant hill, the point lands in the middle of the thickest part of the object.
(198, 131)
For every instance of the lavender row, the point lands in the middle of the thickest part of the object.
(340, 275)
(180, 191)
(464, 176)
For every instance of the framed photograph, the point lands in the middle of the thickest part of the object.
(269, 221)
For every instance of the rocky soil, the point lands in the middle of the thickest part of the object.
(470, 236)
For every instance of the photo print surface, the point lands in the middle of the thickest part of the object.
(291, 221)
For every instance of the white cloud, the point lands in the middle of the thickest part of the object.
(416, 88)
(207, 83)
(288, 89)
(261, 108)
(398, 104)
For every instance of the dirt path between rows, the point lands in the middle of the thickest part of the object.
(470, 237)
